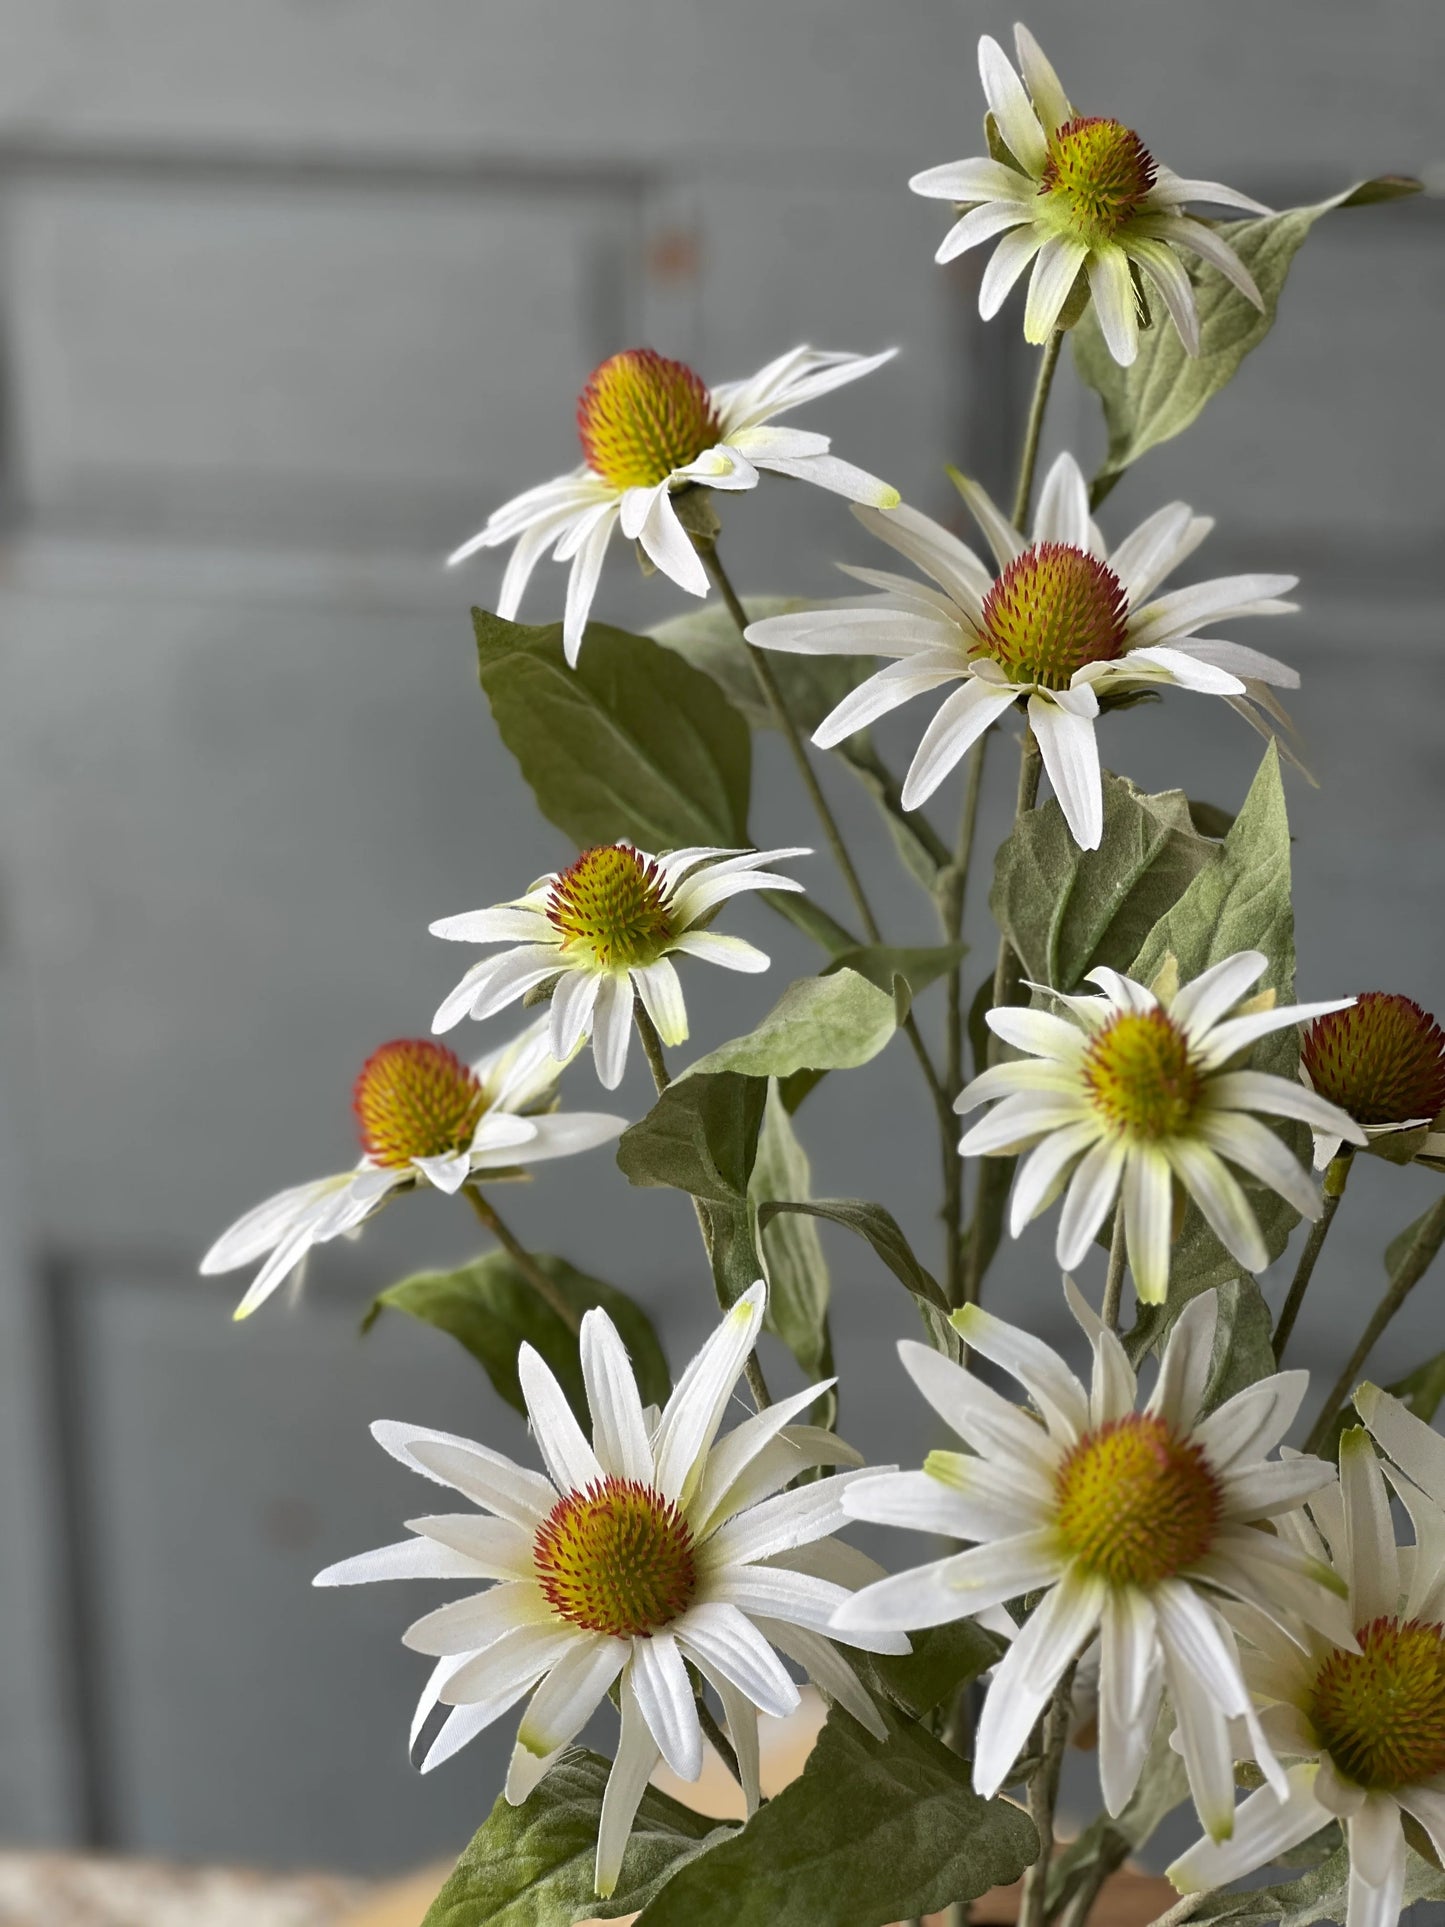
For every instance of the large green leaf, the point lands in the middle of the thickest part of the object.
(831, 1023)
(1065, 909)
(701, 1136)
(943, 1659)
(631, 743)
(1241, 901)
(1162, 392)
(532, 1865)
(873, 1831)
(1321, 1894)
(793, 1261)
(490, 1309)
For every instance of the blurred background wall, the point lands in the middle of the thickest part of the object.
(291, 294)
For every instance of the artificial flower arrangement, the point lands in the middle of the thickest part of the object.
(1146, 1571)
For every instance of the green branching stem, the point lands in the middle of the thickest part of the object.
(1114, 1278)
(952, 899)
(1336, 1178)
(777, 703)
(661, 1078)
(994, 1173)
(1415, 1261)
(545, 1287)
(1043, 1798)
(1181, 1911)
(1028, 460)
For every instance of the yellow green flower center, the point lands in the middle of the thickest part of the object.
(1097, 175)
(616, 1558)
(612, 906)
(416, 1099)
(1140, 1075)
(1382, 1060)
(1380, 1712)
(1136, 1503)
(1053, 610)
(641, 416)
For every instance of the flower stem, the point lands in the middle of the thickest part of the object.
(1181, 1911)
(994, 1173)
(952, 901)
(768, 681)
(545, 1287)
(662, 1077)
(1043, 1798)
(1411, 1269)
(1028, 461)
(1114, 1278)
(1336, 1178)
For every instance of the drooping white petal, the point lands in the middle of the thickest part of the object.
(882, 693)
(1071, 758)
(473, 1624)
(828, 1669)
(1057, 1630)
(1042, 1174)
(729, 953)
(658, 1674)
(411, 1559)
(1225, 1207)
(1129, 1680)
(1264, 1827)
(1089, 1199)
(1164, 268)
(573, 1002)
(511, 1666)
(1371, 1563)
(1059, 261)
(1115, 305)
(1007, 262)
(1148, 1202)
(611, 1030)
(1377, 1864)
(937, 551)
(1415, 1447)
(733, 1454)
(981, 224)
(637, 1757)
(1251, 1145)
(1188, 1360)
(558, 1136)
(582, 584)
(961, 719)
(720, 1637)
(1203, 241)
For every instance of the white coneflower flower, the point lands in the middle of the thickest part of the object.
(654, 1548)
(650, 426)
(605, 928)
(1383, 1063)
(424, 1118)
(1363, 1720)
(1080, 196)
(1137, 1090)
(1131, 1523)
(1064, 624)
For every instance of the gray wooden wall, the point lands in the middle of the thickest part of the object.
(290, 295)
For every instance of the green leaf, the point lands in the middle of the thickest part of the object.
(924, 854)
(701, 1136)
(1065, 909)
(1422, 1389)
(872, 1831)
(1240, 901)
(943, 1659)
(490, 1309)
(918, 964)
(831, 1023)
(708, 638)
(532, 1865)
(793, 1261)
(882, 1231)
(631, 743)
(1321, 1894)
(1164, 390)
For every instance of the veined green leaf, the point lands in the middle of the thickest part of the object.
(1321, 1894)
(828, 1023)
(1065, 909)
(1164, 390)
(532, 1865)
(872, 1831)
(793, 1261)
(490, 1309)
(631, 743)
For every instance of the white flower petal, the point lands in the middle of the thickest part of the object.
(492, 1548)
(1008, 261)
(1115, 304)
(1377, 1864)
(411, 1559)
(612, 1030)
(730, 953)
(582, 585)
(1371, 1563)
(1011, 107)
(1253, 1422)
(961, 719)
(569, 1459)
(658, 1674)
(637, 1757)
(981, 224)
(695, 1410)
(1264, 1828)
(1129, 1684)
(473, 1624)
(1060, 1398)
(828, 1669)
(486, 1478)
(1050, 102)
(981, 1418)
(1088, 1201)
(1167, 272)
(1159, 544)
(720, 1637)
(730, 1458)
(1058, 263)
(1062, 514)
(619, 1432)
(1042, 1174)
(1057, 1630)
(1071, 758)
(972, 180)
(1200, 1004)
(1251, 1145)
(1225, 1207)
(1188, 1361)
(1415, 1447)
